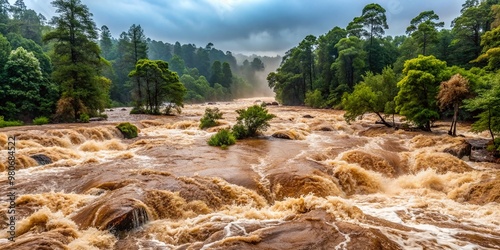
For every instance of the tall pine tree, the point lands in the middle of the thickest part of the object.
(77, 63)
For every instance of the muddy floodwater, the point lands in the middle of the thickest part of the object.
(319, 184)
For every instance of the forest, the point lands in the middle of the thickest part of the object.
(67, 69)
(427, 74)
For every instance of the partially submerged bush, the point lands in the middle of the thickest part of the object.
(223, 138)
(85, 118)
(9, 123)
(41, 120)
(239, 131)
(251, 121)
(128, 130)
(169, 109)
(210, 118)
(314, 99)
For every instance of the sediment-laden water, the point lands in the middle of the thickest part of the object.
(331, 185)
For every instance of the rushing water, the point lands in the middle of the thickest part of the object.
(333, 186)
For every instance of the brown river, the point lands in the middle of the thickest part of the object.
(331, 185)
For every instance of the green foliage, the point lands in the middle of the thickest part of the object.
(375, 94)
(5, 49)
(468, 29)
(488, 104)
(156, 84)
(418, 90)
(4, 123)
(296, 73)
(223, 138)
(239, 131)
(371, 25)
(77, 63)
(41, 120)
(327, 53)
(85, 118)
(251, 121)
(314, 99)
(128, 130)
(423, 28)
(210, 118)
(351, 62)
(26, 93)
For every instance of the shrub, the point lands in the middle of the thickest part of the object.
(9, 123)
(40, 120)
(251, 121)
(169, 109)
(137, 110)
(239, 131)
(314, 99)
(85, 118)
(128, 130)
(223, 138)
(210, 117)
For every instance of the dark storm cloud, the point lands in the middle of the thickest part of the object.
(264, 26)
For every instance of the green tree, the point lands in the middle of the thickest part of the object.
(490, 56)
(210, 118)
(138, 44)
(418, 90)
(351, 62)
(227, 75)
(203, 60)
(375, 94)
(406, 50)
(423, 28)
(314, 99)
(122, 65)
(18, 9)
(488, 103)
(17, 41)
(288, 81)
(77, 63)
(5, 49)
(306, 56)
(453, 92)
(469, 27)
(355, 27)
(139, 50)
(251, 121)
(158, 85)
(4, 16)
(375, 23)
(216, 74)
(27, 94)
(106, 43)
(327, 53)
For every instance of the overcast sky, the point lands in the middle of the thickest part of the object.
(266, 27)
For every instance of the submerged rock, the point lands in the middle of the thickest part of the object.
(484, 192)
(121, 210)
(288, 135)
(41, 159)
(313, 230)
(459, 150)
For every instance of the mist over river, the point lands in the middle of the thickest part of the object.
(331, 185)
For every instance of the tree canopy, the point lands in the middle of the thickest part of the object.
(77, 61)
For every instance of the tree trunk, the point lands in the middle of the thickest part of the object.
(489, 127)
(455, 118)
(383, 120)
(427, 126)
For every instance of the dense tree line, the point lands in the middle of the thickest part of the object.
(424, 75)
(68, 69)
